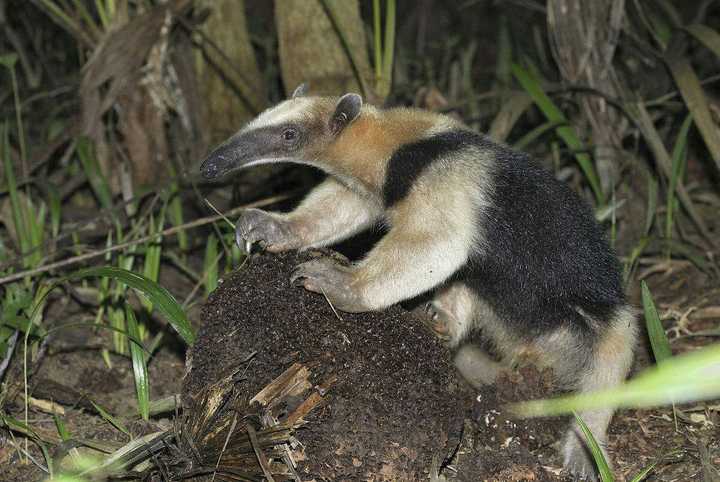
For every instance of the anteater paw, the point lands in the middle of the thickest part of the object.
(333, 280)
(269, 229)
(578, 460)
(436, 320)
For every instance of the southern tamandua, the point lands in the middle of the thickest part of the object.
(509, 251)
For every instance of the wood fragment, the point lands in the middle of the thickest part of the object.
(311, 402)
(292, 381)
(262, 460)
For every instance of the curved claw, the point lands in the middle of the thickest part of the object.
(271, 230)
(296, 275)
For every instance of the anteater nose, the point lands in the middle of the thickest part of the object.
(209, 169)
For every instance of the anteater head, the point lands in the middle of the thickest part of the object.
(301, 129)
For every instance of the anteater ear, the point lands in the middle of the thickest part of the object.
(346, 111)
(300, 91)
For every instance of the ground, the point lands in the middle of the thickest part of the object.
(379, 420)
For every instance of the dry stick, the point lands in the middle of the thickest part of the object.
(224, 447)
(118, 247)
(262, 460)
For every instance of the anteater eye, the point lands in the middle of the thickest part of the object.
(289, 134)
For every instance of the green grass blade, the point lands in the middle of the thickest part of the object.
(153, 253)
(534, 135)
(678, 162)
(707, 36)
(697, 103)
(389, 43)
(102, 13)
(99, 326)
(84, 13)
(651, 203)
(165, 404)
(119, 327)
(8, 60)
(15, 424)
(18, 116)
(61, 428)
(140, 370)
(644, 473)
(693, 376)
(161, 298)
(600, 462)
(64, 20)
(532, 86)
(377, 40)
(94, 175)
(344, 44)
(662, 158)
(503, 74)
(513, 106)
(110, 7)
(635, 254)
(18, 214)
(695, 256)
(656, 332)
(110, 419)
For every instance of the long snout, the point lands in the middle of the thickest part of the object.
(222, 160)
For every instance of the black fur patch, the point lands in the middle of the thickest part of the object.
(544, 257)
(544, 254)
(408, 162)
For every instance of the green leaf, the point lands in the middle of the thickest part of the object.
(17, 207)
(153, 252)
(656, 332)
(532, 86)
(707, 36)
(142, 384)
(597, 453)
(160, 297)
(119, 327)
(693, 376)
(535, 134)
(651, 203)
(678, 162)
(656, 144)
(644, 473)
(687, 251)
(61, 428)
(110, 419)
(94, 175)
(692, 93)
(15, 424)
(9, 59)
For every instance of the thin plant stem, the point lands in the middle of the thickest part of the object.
(18, 116)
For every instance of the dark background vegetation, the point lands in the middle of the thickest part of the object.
(107, 107)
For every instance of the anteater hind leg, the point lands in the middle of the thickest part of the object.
(587, 366)
(455, 311)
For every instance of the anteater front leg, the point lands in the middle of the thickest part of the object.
(417, 254)
(329, 214)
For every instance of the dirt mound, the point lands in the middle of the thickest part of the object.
(395, 401)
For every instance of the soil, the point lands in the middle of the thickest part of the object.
(397, 402)
(396, 397)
